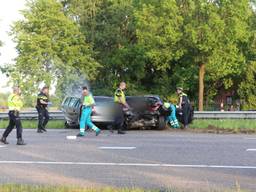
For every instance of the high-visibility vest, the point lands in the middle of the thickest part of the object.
(15, 102)
(119, 96)
(88, 100)
(184, 98)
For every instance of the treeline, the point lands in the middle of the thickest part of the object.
(205, 46)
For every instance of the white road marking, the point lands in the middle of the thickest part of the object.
(127, 164)
(248, 150)
(250, 138)
(71, 137)
(118, 148)
(2, 146)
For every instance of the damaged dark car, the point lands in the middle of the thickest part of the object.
(145, 112)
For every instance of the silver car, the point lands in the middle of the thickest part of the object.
(71, 107)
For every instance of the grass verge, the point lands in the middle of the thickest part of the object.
(224, 125)
(32, 124)
(200, 125)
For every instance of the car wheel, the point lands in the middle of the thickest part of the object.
(161, 123)
(67, 126)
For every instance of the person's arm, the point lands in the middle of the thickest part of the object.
(43, 102)
(121, 100)
(180, 102)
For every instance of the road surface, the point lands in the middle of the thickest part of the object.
(144, 159)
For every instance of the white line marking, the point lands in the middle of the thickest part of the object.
(118, 148)
(2, 146)
(127, 164)
(71, 137)
(248, 150)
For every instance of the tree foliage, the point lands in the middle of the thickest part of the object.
(51, 47)
(154, 45)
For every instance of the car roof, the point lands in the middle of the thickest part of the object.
(144, 96)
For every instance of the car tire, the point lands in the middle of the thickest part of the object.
(161, 123)
(67, 126)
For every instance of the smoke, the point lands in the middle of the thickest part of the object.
(71, 85)
(75, 87)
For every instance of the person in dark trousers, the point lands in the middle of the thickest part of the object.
(42, 104)
(120, 105)
(14, 104)
(184, 106)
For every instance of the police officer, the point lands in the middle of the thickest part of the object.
(14, 104)
(42, 104)
(120, 104)
(87, 108)
(184, 105)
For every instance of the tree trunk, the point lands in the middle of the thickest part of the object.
(201, 87)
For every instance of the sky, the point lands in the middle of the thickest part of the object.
(9, 12)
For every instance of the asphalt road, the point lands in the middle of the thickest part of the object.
(145, 159)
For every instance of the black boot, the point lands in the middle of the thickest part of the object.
(3, 140)
(20, 141)
(121, 132)
(43, 129)
(39, 131)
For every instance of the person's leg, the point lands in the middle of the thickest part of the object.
(83, 122)
(121, 123)
(169, 120)
(19, 130)
(9, 128)
(40, 119)
(116, 116)
(185, 115)
(119, 119)
(89, 122)
(46, 118)
(173, 117)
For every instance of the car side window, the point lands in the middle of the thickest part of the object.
(77, 104)
(73, 102)
(66, 102)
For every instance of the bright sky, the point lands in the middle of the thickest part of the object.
(9, 12)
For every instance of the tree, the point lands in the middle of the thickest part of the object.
(247, 85)
(158, 29)
(109, 27)
(213, 32)
(51, 47)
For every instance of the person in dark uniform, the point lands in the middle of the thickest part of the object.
(14, 104)
(120, 104)
(42, 104)
(184, 106)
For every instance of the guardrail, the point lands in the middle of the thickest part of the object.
(30, 115)
(58, 115)
(225, 115)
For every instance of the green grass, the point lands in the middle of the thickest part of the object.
(29, 188)
(212, 126)
(32, 124)
(227, 125)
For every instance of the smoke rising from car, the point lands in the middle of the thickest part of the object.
(74, 86)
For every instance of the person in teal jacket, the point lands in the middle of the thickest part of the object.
(87, 107)
(171, 118)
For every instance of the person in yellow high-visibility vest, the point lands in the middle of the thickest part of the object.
(14, 104)
(87, 107)
(120, 104)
